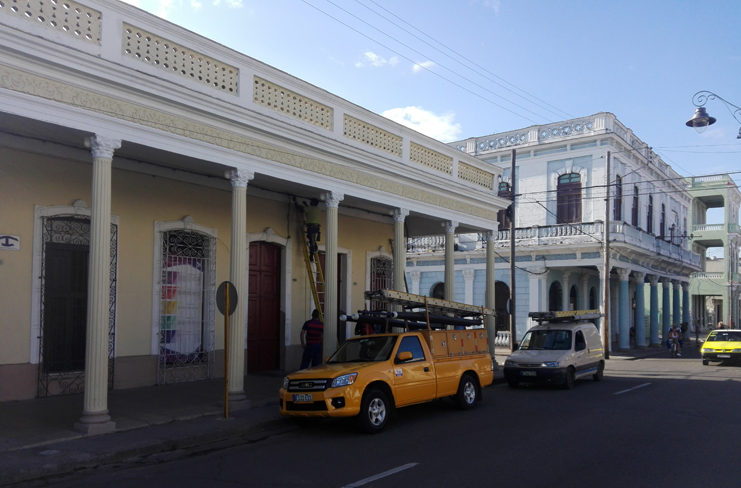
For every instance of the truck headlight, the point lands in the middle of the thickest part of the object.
(509, 362)
(706, 349)
(550, 364)
(285, 383)
(344, 380)
(736, 350)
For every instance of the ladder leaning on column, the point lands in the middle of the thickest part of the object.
(313, 268)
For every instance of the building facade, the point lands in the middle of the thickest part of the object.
(560, 217)
(141, 165)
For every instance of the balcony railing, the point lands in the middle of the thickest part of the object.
(568, 234)
(710, 276)
(730, 228)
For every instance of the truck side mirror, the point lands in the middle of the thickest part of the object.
(404, 356)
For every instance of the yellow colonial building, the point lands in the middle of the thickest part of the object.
(142, 165)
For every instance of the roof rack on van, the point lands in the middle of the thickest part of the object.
(565, 316)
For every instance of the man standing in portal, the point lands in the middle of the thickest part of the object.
(311, 340)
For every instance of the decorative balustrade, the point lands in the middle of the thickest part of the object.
(502, 339)
(588, 232)
(711, 276)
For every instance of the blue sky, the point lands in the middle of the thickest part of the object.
(457, 69)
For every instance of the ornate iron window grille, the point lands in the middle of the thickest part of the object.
(187, 307)
(382, 269)
(75, 230)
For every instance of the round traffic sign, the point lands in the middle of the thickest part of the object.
(221, 298)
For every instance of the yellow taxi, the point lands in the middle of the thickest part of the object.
(722, 345)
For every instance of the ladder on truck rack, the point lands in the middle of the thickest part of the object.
(313, 267)
(433, 305)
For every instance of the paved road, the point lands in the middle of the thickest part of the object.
(624, 431)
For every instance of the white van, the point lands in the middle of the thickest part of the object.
(563, 346)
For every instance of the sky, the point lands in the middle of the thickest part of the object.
(454, 69)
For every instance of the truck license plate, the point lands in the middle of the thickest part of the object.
(724, 356)
(528, 373)
(302, 398)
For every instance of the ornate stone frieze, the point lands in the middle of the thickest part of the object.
(38, 86)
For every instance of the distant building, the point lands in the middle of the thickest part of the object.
(560, 216)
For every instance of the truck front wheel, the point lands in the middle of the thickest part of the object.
(374, 412)
(468, 393)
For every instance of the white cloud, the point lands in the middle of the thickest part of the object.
(376, 61)
(196, 4)
(424, 65)
(229, 3)
(492, 4)
(440, 127)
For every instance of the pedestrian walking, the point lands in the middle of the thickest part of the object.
(698, 326)
(311, 340)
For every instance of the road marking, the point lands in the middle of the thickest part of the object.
(381, 475)
(631, 389)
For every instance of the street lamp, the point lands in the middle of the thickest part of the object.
(701, 120)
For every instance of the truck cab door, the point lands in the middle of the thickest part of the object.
(580, 351)
(414, 378)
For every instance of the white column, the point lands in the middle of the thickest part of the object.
(491, 281)
(468, 276)
(400, 249)
(95, 418)
(415, 275)
(538, 293)
(332, 200)
(584, 291)
(566, 290)
(238, 272)
(450, 259)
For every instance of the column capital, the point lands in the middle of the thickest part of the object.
(623, 273)
(685, 286)
(102, 147)
(239, 177)
(491, 235)
(537, 273)
(449, 226)
(639, 276)
(676, 284)
(602, 273)
(666, 282)
(400, 214)
(415, 275)
(333, 199)
(653, 279)
(469, 274)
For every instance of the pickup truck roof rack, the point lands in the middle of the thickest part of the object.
(432, 305)
(565, 316)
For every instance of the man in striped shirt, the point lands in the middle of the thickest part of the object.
(311, 340)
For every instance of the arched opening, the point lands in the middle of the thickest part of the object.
(555, 297)
(573, 294)
(501, 298)
(592, 299)
(438, 291)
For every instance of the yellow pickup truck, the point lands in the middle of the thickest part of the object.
(371, 375)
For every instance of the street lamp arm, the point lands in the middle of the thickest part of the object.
(702, 97)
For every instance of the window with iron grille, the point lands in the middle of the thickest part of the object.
(662, 221)
(504, 215)
(186, 317)
(650, 216)
(617, 209)
(381, 278)
(634, 210)
(568, 198)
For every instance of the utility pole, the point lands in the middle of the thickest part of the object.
(512, 325)
(606, 273)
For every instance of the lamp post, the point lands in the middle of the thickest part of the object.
(701, 120)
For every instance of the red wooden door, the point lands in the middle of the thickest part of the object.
(263, 320)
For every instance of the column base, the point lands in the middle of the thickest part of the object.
(238, 401)
(95, 423)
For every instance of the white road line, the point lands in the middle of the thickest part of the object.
(631, 389)
(381, 475)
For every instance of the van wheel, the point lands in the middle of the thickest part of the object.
(468, 393)
(513, 383)
(600, 372)
(705, 363)
(374, 412)
(568, 383)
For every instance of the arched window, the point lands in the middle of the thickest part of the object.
(568, 198)
(617, 209)
(438, 291)
(634, 212)
(555, 297)
(650, 216)
(573, 303)
(662, 221)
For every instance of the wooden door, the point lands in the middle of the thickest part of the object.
(263, 321)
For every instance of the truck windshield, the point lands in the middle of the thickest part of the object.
(365, 349)
(555, 340)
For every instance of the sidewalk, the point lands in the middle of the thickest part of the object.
(37, 437)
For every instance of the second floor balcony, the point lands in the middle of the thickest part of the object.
(585, 234)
